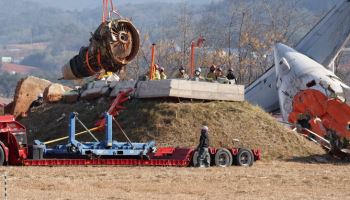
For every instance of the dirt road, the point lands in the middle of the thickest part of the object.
(265, 180)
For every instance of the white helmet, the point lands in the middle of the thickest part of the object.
(199, 69)
(40, 95)
(205, 128)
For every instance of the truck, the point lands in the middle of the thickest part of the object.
(15, 150)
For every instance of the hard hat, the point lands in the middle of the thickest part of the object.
(40, 95)
(156, 65)
(230, 70)
(161, 69)
(199, 69)
(205, 128)
(181, 68)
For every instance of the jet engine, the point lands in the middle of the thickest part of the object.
(113, 45)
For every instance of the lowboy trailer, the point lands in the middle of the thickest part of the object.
(14, 148)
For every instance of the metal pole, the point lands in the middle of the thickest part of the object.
(193, 46)
(315, 134)
(152, 70)
(5, 185)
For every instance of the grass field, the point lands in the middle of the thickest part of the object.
(265, 180)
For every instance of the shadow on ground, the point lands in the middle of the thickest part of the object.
(321, 159)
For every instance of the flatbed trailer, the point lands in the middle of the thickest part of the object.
(164, 157)
(14, 149)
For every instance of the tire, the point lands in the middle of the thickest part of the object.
(244, 158)
(195, 162)
(223, 158)
(2, 157)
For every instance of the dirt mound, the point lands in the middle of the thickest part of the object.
(27, 91)
(178, 124)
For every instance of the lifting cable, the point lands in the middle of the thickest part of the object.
(106, 13)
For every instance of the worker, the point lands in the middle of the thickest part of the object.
(231, 76)
(211, 75)
(202, 148)
(197, 75)
(162, 73)
(156, 75)
(182, 74)
(220, 77)
(39, 101)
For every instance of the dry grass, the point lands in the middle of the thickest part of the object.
(178, 124)
(265, 180)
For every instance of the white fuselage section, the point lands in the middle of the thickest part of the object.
(296, 72)
(323, 44)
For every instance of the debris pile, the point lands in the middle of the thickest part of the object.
(55, 92)
(27, 91)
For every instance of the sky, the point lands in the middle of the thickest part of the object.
(81, 4)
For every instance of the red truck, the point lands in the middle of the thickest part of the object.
(14, 150)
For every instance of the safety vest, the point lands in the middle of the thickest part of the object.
(156, 75)
(163, 76)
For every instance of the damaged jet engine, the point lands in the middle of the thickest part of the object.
(113, 45)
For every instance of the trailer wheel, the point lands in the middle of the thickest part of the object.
(244, 158)
(223, 158)
(2, 157)
(195, 159)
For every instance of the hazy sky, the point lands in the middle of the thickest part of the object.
(81, 4)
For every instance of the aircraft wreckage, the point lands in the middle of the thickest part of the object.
(113, 45)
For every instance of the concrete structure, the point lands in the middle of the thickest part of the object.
(166, 88)
(190, 90)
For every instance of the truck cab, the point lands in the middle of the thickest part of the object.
(13, 141)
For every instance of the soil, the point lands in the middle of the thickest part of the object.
(264, 180)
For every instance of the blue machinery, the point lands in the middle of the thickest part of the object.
(108, 147)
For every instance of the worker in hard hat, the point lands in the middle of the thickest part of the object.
(39, 101)
(182, 74)
(220, 77)
(156, 75)
(203, 152)
(231, 76)
(198, 75)
(162, 73)
(211, 76)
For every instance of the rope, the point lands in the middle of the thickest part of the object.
(66, 137)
